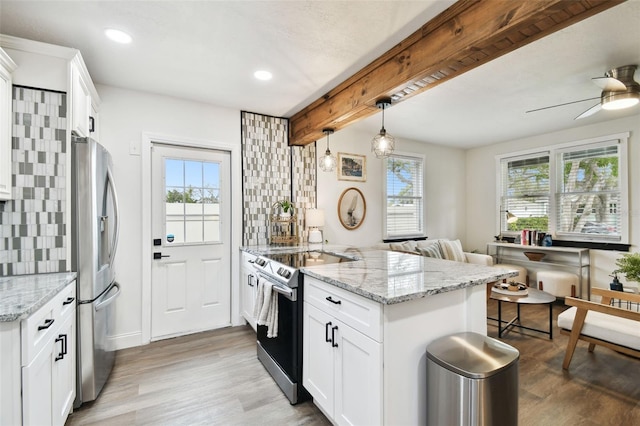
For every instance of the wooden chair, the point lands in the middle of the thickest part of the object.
(609, 325)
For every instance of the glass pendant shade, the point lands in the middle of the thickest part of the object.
(383, 144)
(328, 162)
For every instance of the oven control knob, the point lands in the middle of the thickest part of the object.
(260, 262)
(284, 273)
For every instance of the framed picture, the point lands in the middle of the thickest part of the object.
(352, 167)
(352, 208)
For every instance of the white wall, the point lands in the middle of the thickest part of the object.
(481, 187)
(444, 189)
(124, 116)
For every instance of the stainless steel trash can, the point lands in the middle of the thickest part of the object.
(471, 380)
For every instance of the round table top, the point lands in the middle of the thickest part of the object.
(533, 296)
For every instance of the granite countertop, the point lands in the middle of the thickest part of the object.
(22, 295)
(392, 277)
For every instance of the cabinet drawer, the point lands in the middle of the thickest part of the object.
(67, 301)
(38, 329)
(247, 260)
(358, 312)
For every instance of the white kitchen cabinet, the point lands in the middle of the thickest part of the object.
(81, 101)
(248, 288)
(66, 72)
(48, 361)
(377, 373)
(342, 366)
(7, 66)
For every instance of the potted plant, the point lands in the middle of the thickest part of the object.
(629, 266)
(286, 207)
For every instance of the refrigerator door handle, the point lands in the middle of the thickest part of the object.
(116, 223)
(106, 302)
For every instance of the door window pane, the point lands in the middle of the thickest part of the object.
(192, 194)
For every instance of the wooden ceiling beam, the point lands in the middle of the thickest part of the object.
(468, 34)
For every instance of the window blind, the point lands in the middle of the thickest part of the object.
(404, 193)
(525, 192)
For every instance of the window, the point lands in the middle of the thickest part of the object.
(576, 191)
(526, 192)
(192, 201)
(404, 210)
(589, 191)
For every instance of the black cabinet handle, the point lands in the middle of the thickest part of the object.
(47, 324)
(335, 302)
(250, 280)
(333, 336)
(60, 355)
(326, 332)
(68, 301)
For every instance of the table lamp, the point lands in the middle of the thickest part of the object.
(314, 219)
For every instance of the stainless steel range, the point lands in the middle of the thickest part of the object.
(282, 355)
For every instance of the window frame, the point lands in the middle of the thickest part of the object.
(420, 233)
(555, 185)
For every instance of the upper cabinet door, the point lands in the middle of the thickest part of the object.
(6, 68)
(81, 105)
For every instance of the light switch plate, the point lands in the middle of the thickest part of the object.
(134, 148)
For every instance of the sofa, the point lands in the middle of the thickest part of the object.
(439, 249)
(451, 250)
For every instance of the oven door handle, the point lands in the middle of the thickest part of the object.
(289, 293)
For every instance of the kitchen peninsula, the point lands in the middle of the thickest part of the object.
(367, 324)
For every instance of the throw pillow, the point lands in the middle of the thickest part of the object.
(405, 247)
(452, 250)
(426, 243)
(432, 250)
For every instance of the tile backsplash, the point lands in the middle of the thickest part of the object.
(33, 224)
(273, 171)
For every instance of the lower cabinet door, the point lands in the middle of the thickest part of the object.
(64, 372)
(36, 388)
(318, 357)
(248, 290)
(358, 377)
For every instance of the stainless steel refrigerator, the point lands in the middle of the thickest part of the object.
(94, 236)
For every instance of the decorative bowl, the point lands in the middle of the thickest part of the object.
(534, 256)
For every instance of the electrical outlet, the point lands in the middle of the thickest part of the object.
(134, 148)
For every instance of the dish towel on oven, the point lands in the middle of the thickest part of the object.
(266, 307)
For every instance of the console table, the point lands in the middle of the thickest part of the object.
(570, 259)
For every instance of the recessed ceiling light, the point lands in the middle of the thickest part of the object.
(263, 75)
(118, 36)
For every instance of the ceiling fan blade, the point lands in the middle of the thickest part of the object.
(590, 111)
(609, 83)
(559, 105)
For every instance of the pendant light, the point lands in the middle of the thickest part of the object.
(383, 143)
(328, 162)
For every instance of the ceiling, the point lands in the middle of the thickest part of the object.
(207, 51)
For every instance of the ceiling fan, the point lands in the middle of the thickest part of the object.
(619, 91)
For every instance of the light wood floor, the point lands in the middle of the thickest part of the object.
(214, 378)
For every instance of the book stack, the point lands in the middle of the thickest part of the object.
(531, 237)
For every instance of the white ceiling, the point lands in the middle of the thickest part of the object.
(207, 51)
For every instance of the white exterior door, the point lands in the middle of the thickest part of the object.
(191, 216)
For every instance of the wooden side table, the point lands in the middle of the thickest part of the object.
(533, 297)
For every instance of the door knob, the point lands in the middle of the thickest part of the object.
(159, 255)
